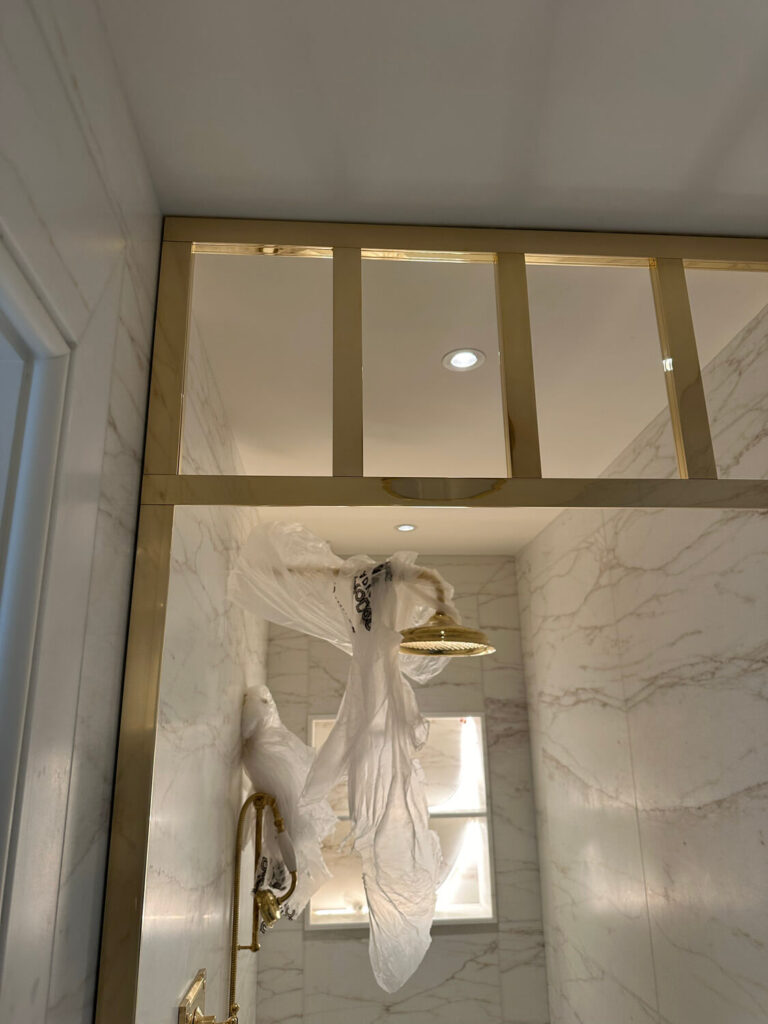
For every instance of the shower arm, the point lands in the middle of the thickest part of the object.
(424, 574)
(265, 903)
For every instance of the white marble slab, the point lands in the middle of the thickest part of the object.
(645, 653)
(212, 652)
(457, 982)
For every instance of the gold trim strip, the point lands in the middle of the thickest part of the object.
(255, 491)
(465, 239)
(518, 386)
(347, 363)
(226, 249)
(414, 255)
(739, 265)
(685, 388)
(124, 901)
(169, 355)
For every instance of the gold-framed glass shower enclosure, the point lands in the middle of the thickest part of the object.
(165, 486)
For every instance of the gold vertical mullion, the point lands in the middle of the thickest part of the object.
(347, 363)
(124, 899)
(518, 388)
(169, 357)
(685, 389)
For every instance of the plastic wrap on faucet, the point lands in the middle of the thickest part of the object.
(278, 762)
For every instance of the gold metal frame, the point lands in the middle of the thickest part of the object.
(165, 486)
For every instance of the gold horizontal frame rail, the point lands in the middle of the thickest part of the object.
(727, 251)
(462, 256)
(253, 491)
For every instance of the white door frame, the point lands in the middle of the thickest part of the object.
(33, 333)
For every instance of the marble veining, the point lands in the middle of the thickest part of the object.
(212, 652)
(645, 658)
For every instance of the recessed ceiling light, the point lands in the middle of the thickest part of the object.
(405, 527)
(463, 359)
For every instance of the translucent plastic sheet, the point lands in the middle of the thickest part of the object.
(277, 762)
(290, 577)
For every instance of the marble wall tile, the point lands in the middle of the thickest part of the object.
(197, 788)
(594, 893)
(645, 655)
(208, 444)
(288, 673)
(516, 864)
(737, 403)
(212, 651)
(523, 974)
(457, 982)
(280, 996)
(691, 609)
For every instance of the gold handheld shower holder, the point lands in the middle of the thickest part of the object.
(266, 907)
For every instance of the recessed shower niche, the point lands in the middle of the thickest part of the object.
(597, 783)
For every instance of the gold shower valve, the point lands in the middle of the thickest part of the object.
(202, 1018)
(192, 1006)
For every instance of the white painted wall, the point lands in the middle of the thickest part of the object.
(79, 216)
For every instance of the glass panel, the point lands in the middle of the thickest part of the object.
(421, 419)
(465, 894)
(454, 765)
(453, 760)
(600, 390)
(342, 899)
(730, 317)
(259, 373)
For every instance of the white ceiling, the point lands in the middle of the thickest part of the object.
(439, 531)
(541, 113)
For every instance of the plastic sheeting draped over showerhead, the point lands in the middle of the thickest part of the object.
(288, 576)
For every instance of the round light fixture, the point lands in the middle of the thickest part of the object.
(461, 359)
(405, 527)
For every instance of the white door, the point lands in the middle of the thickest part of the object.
(34, 360)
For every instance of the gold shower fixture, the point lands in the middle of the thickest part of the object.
(266, 906)
(442, 636)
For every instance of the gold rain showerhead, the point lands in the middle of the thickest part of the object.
(442, 637)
